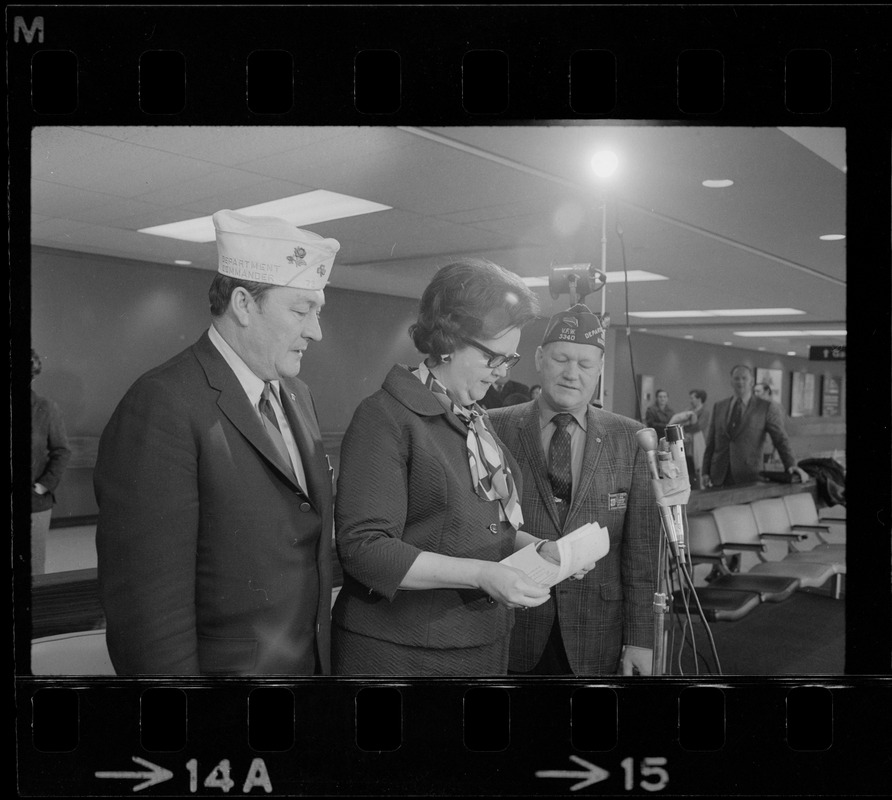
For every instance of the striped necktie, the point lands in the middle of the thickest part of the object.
(271, 425)
(559, 473)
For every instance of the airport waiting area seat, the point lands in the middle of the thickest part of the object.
(826, 532)
(706, 546)
(716, 603)
(772, 516)
(739, 531)
(79, 653)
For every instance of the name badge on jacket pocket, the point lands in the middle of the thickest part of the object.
(617, 501)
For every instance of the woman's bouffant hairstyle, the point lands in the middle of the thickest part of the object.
(473, 299)
(222, 287)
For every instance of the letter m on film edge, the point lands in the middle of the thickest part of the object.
(19, 28)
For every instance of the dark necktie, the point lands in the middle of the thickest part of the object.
(271, 425)
(559, 464)
(736, 414)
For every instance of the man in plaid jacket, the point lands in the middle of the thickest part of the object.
(603, 623)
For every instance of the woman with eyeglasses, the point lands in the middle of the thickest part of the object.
(428, 499)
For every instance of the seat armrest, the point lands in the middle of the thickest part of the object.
(833, 520)
(756, 548)
(824, 528)
(696, 558)
(788, 537)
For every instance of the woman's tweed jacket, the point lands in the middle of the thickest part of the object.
(405, 487)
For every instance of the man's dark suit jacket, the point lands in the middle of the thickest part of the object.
(735, 459)
(495, 398)
(613, 604)
(212, 560)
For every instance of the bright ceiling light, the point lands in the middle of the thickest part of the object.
(635, 275)
(832, 237)
(302, 209)
(604, 163)
(727, 343)
(182, 262)
(791, 352)
(718, 184)
(719, 312)
(774, 334)
(688, 336)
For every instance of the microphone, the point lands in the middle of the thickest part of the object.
(675, 438)
(648, 442)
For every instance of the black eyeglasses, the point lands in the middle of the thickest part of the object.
(495, 359)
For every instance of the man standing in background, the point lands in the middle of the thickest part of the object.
(737, 429)
(695, 422)
(658, 415)
(581, 464)
(505, 392)
(50, 455)
(215, 498)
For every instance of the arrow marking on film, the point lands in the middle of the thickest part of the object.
(592, 774)
(155, 775)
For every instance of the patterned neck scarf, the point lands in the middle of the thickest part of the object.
(492, 478)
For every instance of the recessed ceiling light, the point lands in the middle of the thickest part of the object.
(832, 237)
(618, 276)
(302, 209)
(182, 263)
(688, 336)
(760, 348)
(791, 352)
(718, 184)
(727, 343)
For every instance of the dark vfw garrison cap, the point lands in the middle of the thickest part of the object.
(577, 325)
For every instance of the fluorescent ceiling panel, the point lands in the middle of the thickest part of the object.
(635, 275)
(718, 312)
(302, 209)
(790, 333)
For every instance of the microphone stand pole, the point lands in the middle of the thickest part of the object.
(604, 271)
(672, 488)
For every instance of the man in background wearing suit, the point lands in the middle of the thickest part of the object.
(214, 493)
(505, 392)
(581, 464)
(737, 430)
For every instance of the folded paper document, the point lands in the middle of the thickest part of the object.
(577, 550)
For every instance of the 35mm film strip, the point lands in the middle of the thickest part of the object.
(488, 65)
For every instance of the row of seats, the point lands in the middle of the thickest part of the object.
(781, 545)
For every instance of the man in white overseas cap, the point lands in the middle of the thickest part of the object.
(214, 493)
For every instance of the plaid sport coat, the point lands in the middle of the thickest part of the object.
(613, 604)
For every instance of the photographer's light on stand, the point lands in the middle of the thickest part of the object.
(604, 164)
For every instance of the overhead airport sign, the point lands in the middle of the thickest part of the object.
(827, 352)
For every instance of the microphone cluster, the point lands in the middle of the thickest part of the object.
(669, 478)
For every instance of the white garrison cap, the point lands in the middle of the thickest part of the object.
(271, 250)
